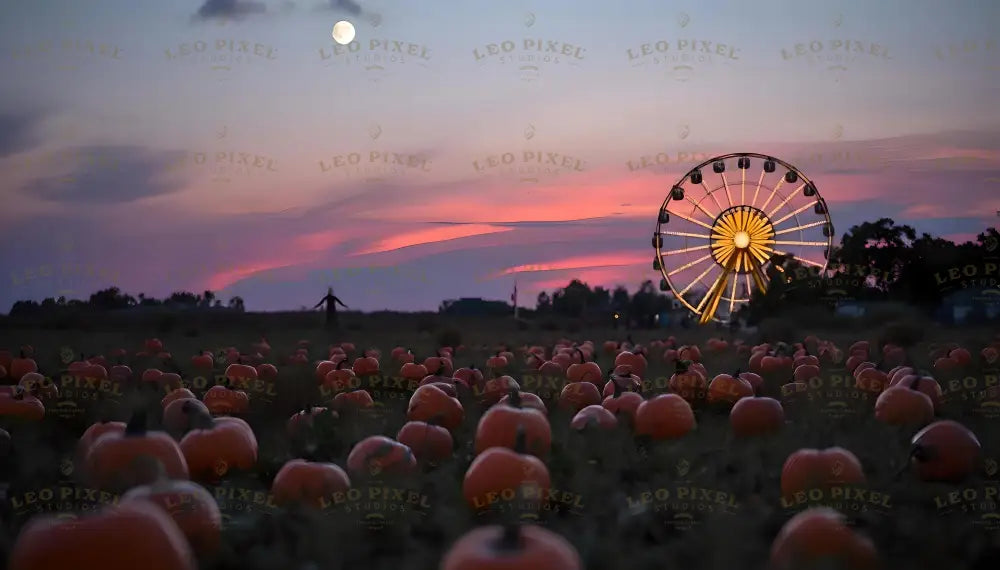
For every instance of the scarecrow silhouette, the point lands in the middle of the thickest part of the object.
(331, 301)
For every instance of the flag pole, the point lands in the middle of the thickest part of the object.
(514, 299)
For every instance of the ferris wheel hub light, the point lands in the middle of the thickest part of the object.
(741, 240)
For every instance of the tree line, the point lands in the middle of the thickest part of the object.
(874, 261)
(113, 299)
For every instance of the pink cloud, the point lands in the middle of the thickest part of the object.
(430, 236)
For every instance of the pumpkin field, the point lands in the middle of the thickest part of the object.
(379, 448)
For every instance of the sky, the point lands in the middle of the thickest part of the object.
(455, 147)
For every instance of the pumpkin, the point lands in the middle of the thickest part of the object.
(496, 362)
(431, 402)
(904, 404)
(190, 505)
(585, 371)
(222, 399)
(412, 371)
(528, 400)
(808, 469)
(303, 421)
(308, 483)
(622, 403)
(499, 426)
(925, 384)
(132, 535)
(366, 366)
(39, 386)
(380, 456)
(728, 389)
(576, 396)
(636, 361)
(495, 389)
(820, 535)
(352, 401)
(439, 365)
(756, 416)
(92, 433)
(666, 416)
(178, 413)
(339, 379)
(511, 547)
(506, 473)
(945, 451)
(18, 403)
(686, 383)
(178, 394)
(594, 415)
(871, 380)
(215, 446)
(203, 361)
(472, 376)
(267, 372)
(168, 381)
(20, 366)
(430, 443)
(113, 461)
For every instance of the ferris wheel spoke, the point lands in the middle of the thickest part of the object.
(716, 291)
(800, 259)
(686, 234)
(760, 181)
(786, 200)
(697, 279)
(712, 195)
(773, 192)
(749, 284)
(691, 264)
(792, 213)
(785, 242)
(732, 295)
(725, 183)
(800, 227)
(700, 208)
(685, 250)
(743, 187)
(693, 221)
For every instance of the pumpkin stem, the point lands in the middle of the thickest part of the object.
(583, 357)
(136, 425)
(615, 385)
(521, 440)
(510, 538)
(18, 393)
(340, 363)
(681, 366)
(915, 382)
(514, 398)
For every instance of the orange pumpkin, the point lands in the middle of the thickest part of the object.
(132, 535)
(431, 402)
(945, 451)
(378, 456)
(499, 426)
(808, 469)
(191, 507)
(688, 384)
(215, 446)
(506, 473)
(111, 462)
(429, 443)
(20, 366)
(222, 400)
(18, 403)
(728, 389)
(904, 404)
(594, 415)
(366, 366)
(819, 535)
(308, 483)
(666, 416)
(756, 416)
(511, 547)
(576, 396)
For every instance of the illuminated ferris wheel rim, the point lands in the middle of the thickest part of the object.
(761, 222)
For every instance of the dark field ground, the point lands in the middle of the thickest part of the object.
(714, 500)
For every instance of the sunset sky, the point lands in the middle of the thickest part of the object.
(131, 158)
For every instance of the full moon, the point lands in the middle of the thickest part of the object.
(741, 240)
(343, 32)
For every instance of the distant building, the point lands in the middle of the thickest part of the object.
(475, 307)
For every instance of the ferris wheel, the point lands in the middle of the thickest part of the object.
(725, 227)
